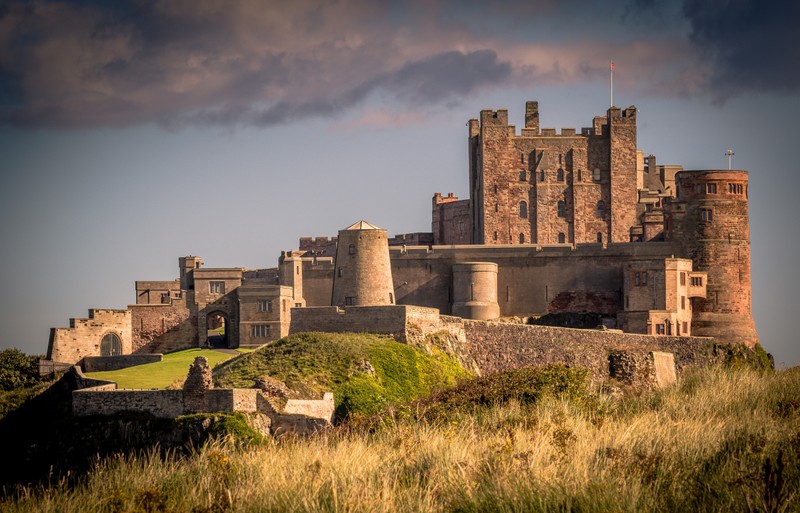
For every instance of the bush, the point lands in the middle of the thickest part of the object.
(18, 370)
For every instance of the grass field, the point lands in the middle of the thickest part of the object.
(722, 440)
(161, 374)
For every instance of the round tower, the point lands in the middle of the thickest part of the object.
(363, 273)
(709, 222)
(475, 290)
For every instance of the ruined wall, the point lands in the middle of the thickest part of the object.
(163, 328)
(83, 337)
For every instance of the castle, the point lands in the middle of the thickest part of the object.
(556, 223)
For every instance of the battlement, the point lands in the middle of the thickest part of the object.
(438, 199)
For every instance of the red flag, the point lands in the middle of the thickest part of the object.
(612, 65)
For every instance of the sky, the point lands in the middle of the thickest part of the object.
(134, 132)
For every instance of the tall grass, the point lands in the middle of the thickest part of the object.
(721, 440)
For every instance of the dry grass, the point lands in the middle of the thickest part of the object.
(720, 441)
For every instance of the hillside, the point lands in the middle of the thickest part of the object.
(365, 372)
(722, 440)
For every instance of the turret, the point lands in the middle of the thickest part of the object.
(475, 290)
(186, 265)
(363, 273)
(709, 221)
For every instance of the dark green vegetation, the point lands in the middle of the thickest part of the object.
(19, 379)
(366, 372)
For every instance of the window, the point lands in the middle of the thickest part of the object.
(495, 235)
(711, 188)
(522, 238)
(601, 209)
(110, 345)
(495, 188)
(350, 301)
(580, 175)
(352, 249)
(596, 174)
(264, 305)
(706, 214)
(391, 298)
(523, 175)
(541, 176)
(259, 330)
(497, 207)
(735, 188)
(522, 157)
(523, 210)
(697, 281)
(562, 209)
(599, 237)
(216, 287)
(639, 278)
(339, 272)
(661, 329)
(685, 328)
(562, 238)
(683, 278)
(683, 302)
(560, 175)
(668, 326)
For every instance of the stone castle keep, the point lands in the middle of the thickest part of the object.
(565, 223)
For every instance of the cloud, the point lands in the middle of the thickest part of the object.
(73, 63)
(749, 46)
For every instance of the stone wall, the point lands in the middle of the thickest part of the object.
(109, 363)
(161, 403)
(451, 220)
(162, 328)
(83, 337)
(401, 322)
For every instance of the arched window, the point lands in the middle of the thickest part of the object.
(599, 237)
(111, 345)
(560, 175)
(522, 238)
(562, 238)
(562, 209)
(601, 209)
(523, 210)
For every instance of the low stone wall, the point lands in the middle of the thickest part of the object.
(110, 363)
(399, 321)
(161, 403)
(315, 408)
(495, 346)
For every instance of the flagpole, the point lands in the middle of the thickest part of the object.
(612, 84)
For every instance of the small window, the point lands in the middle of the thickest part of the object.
(541, 176)
(601, 209)
(522, 157)
(669, 326)
(599, 237)
(339, 272)
(495, 235)
(495, 188)
(711, 188)
(683, 302)
(640, 278)
(683, 278)
(264, 305)
(580, 175)
(522, 238)
(259, 330)
(562, 209)
(706, 215)
(497, 207)
(697, 281)
(216, 287)
(562, 239)
(391, 298)
(685, 328)
(560, 175)
(523, 210)
(352, 249)
(523, 175)
(350, 301)
(661, 329)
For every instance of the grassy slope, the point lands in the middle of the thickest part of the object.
(720, 441)
(310, 363)
(161, 374)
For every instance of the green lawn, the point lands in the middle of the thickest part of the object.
(161, 374)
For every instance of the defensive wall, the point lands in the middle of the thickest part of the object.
(490, 346)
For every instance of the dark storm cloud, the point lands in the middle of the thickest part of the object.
(750, 45)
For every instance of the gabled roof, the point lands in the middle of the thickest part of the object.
(362, 225)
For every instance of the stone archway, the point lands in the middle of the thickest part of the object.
(110, 345)
(217, 329)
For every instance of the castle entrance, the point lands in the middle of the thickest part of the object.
(111, 345)
(217, 329)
